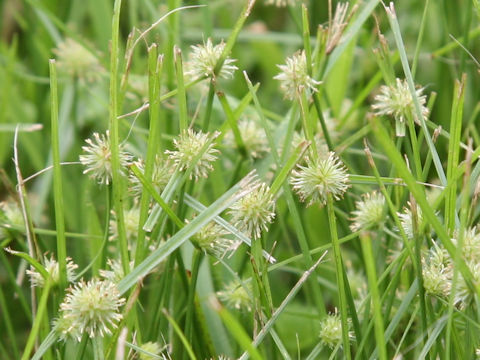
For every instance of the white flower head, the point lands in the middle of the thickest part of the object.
(131, 219)
(212, 240)
(437, 270)
(98, 160)
(397, 101)
(294, 78)
(116, 273)
(204, 59)
(189, 144)
(162, 171)
(52, 268)
(151, 348)
(253, 137)
(254, 212)
(90, 308)
(406, 219)
(320, 177)
(331, 330)
(76, 61)
(237, 295)
(369, 211)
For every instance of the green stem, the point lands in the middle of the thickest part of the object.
(208, 108)
(114, 142)
(340, 279)
(377, 306)
(197, 259)
(57, 179)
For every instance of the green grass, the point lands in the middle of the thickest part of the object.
(131, 75)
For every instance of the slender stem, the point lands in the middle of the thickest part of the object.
(208, 108)
(340, 280)
(197, 259)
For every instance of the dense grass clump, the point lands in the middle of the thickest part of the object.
(239, 179)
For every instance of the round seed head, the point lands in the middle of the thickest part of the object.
(369, 211)
(98, 160)
(237, 295)
(52, 267)
(320, 177)
(212, 240)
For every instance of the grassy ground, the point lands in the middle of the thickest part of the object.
(355, 236)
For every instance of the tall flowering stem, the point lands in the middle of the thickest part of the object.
(342, 295)
(113, 126)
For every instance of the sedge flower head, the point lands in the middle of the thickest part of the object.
(319, 178)
(254, 212)
(204, 59)
(331, 330)
(212, 240)
(76, 61)
(10, 215)
(150, 351)
(369, 211)
(162, 171)
(406, 220)
(294, 78)
(90, 308)
(52, 268)
(470, 244)
(98, 160)
(437, 271)
(253, 137)
(189, 145)
(237, 295)
(397, 101)
(131, 220)
(336, 26)
(116, 273)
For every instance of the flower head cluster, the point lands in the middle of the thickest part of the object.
(116, 273)
(10, 215)
(132, 220)
(319, 178)
(396, 101)
(294, 78)
(194, 148)
(336, 26)
(237, 295)
(406, 219)
(369, 211)
(150, 351)
(162, 171)
(212, 240)
(437, 271)
(204, 59)
(98, 160)
(90, 308)
(253, 137)
(52, 268)
(331, 330)
(254, 212)
(76, 61)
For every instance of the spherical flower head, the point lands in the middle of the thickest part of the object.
(90, 308)
(369, 211)
(116, 273)
(10, 215)
(148, 349)
(189, 145)
(162, 171)
(52, 268)
(253, 137)
(98, 160)
(406, 219)
(463, 294)
(254, 212)
(470, 244)
(131, 219)
(437, 270)
(76, 61)
(204, 59)
(237, 295)
(331, 330)
(294, 78)
(320, 177)
(212, 240)
(397, 101)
